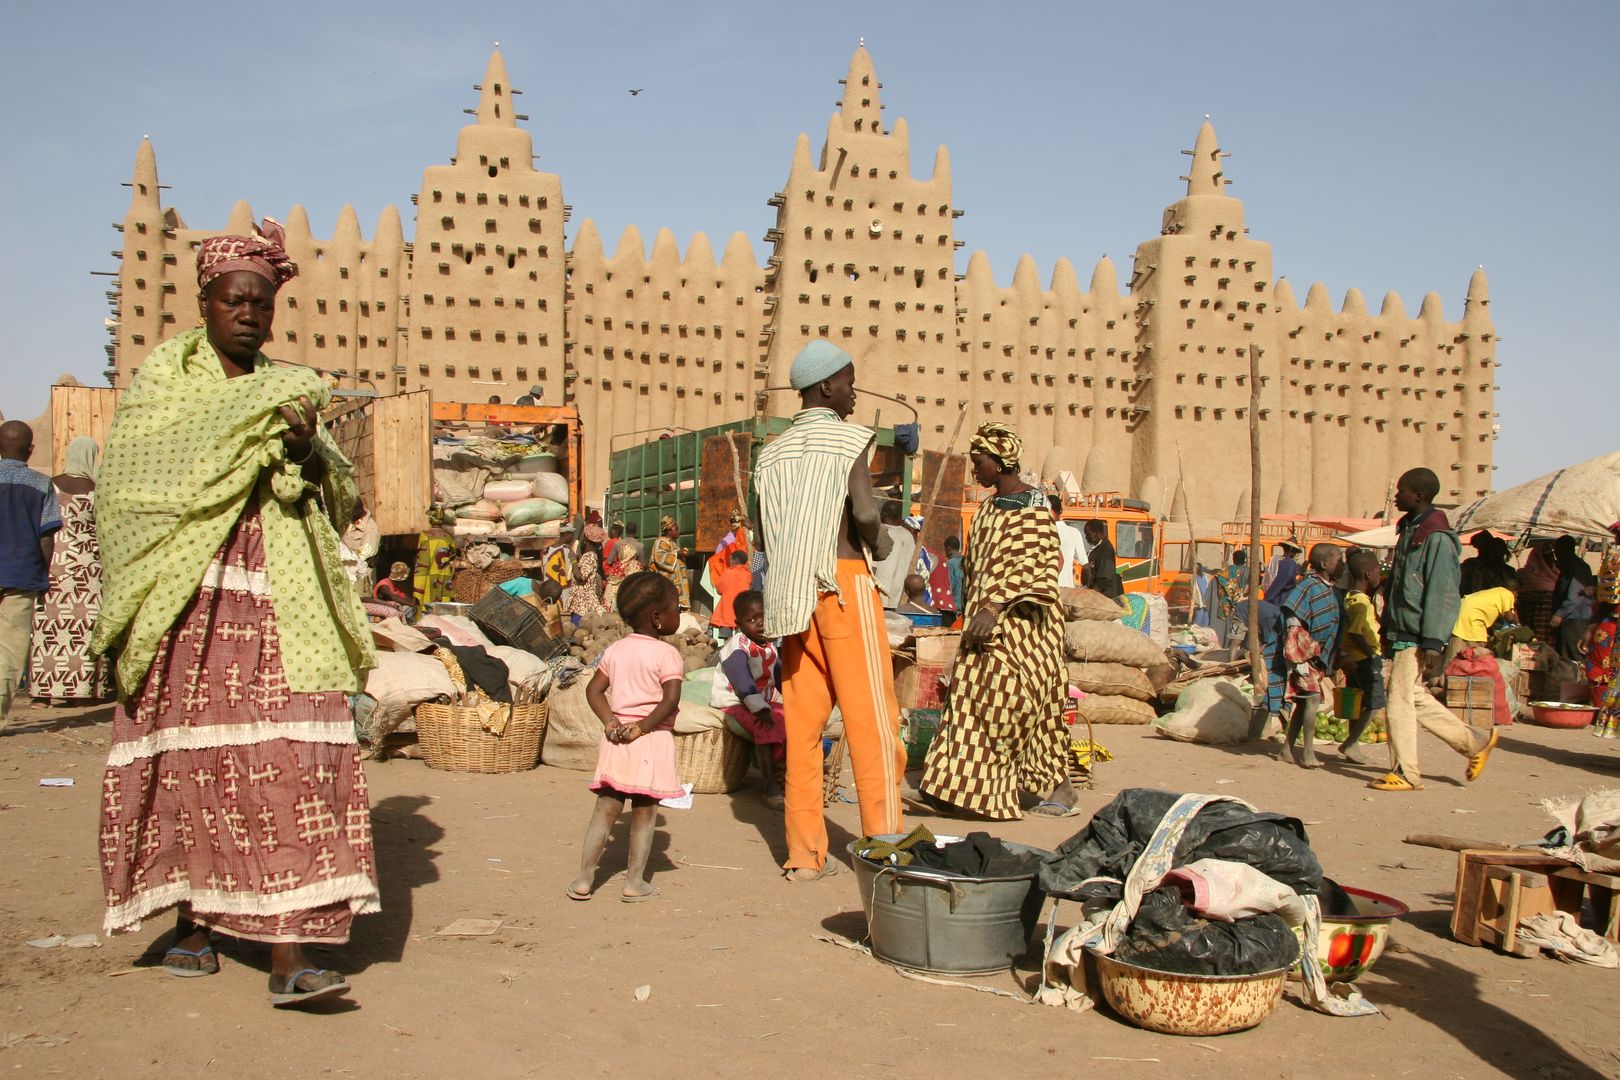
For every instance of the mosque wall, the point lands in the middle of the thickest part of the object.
(1141, 389)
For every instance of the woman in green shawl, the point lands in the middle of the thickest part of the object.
(234, 790)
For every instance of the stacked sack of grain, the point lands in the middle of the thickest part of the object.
(1118, 671)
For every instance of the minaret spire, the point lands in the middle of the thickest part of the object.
(1206, 177)
(144, 184)
(861, 109)
(495, 107)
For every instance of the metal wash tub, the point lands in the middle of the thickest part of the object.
(937, 922)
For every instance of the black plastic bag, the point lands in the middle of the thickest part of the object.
(1167, 936)
(1117, 834)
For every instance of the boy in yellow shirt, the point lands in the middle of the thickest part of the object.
(1360, 649)
(1479, 612)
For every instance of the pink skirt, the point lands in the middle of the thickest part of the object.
(643, 767)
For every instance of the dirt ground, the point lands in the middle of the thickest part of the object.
(740, 985)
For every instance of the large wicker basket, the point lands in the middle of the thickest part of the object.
(453, 740)
(469, 585)
(713, 762)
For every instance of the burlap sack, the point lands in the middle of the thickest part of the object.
(1089, 605)
(573, 733)
(1110, 643)
(1111, 679)
(1111, 709)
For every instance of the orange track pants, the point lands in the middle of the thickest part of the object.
(842, 659)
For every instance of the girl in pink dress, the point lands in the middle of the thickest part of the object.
(636, 760)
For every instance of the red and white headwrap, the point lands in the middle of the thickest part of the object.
(262, 253)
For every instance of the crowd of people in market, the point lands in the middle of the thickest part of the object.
(120, 573)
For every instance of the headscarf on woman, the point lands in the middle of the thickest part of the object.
(1000, 442)
(81, 458)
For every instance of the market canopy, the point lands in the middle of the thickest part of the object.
(1581, 500)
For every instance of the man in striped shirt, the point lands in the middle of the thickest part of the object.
(820, 524)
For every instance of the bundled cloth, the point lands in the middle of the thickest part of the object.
(1253, 880)
(1588, 832)
(977, 855)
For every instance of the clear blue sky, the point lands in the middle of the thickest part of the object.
(1382, 145)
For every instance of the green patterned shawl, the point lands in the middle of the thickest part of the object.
(188, 447)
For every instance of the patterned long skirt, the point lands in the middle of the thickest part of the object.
(1003, 727)
(59, 663)
(228, 794)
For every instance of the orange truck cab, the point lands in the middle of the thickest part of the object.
(1137, 535)
(1215, 554)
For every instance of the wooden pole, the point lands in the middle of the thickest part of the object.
(934, 481)
(1257, 670)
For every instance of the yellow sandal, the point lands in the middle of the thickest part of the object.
(1476, 763)
(1392, 782)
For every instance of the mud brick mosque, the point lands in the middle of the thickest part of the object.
(1142, 383)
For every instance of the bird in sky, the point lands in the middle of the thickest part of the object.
(633, 93)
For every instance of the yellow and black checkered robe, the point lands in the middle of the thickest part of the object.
(1003, 727)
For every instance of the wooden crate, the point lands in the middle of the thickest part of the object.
(1497, 889)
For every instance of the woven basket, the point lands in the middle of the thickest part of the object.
(713, 762)
(504, 570)
(469, 585)
(453, 740)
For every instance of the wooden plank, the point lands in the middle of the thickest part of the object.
(475, 413)
(725, 465)
(76, 411)
(942, 518)
(402, 462)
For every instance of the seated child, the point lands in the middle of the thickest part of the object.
(916, 601)
(732, 583)
(396, 587)
(748, 689)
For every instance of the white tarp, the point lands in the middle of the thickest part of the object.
(1582, 500)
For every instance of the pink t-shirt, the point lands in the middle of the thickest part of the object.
(637, 667)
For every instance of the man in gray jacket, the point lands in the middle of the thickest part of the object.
(1421, 600)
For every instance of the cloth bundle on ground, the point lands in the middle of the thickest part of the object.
(1212, 711)
(1588, 832)
(1116, 679)
(1110, 643)
(977, 855)
(1088, 605)
(1121, 867)
(399, 683)
(1114, 709)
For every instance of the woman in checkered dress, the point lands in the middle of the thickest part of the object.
(1003, 728)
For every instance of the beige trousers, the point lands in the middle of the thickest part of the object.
(1411, 704)
(16, 632)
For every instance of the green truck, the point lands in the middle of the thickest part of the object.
(695, 477)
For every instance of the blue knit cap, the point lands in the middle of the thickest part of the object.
(819, 360)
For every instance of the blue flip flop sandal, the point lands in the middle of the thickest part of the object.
(1057, 810)
(207, 963)
(289, 994)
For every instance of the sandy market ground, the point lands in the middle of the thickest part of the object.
(741, 985)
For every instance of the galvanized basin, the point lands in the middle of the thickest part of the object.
(931, 921)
